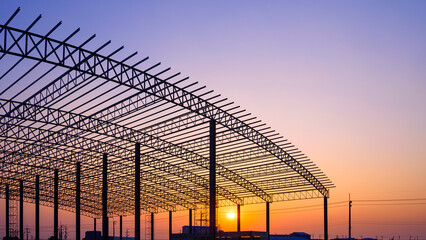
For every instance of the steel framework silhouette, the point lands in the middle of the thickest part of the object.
(63, 106)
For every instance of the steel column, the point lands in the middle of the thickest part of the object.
(37, 207)
(137, 191)
(170, 225)
(190, 220)
(212, 180)
(121, 227)
(7, 212)
(105, 197)
(77, 203)
(267, 219)
(350, 218)
(238, 218)
(94, 227)
(325, 218)
(21, 210)
(55, 206)
(152, 226)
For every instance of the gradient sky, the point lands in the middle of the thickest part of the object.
(343, 80)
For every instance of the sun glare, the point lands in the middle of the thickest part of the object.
(231, 215)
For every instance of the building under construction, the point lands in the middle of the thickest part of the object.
(87, 131)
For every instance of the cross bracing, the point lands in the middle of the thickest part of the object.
(63, 103)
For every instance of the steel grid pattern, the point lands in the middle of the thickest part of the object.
(61, 103)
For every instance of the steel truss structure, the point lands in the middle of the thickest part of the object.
(63, 105)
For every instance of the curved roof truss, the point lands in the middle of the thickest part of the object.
(61, 103)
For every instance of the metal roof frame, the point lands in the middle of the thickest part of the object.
(61, 103)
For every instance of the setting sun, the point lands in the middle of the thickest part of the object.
(231, 215)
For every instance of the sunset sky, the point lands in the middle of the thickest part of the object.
(345, 81)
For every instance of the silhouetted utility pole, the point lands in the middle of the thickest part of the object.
(27, 230)
(60, 232)
(113, 227)
(350, 224)
(65, 232)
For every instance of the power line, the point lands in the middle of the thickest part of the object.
(290, 211)
(386, 200)
(388, 204)
(382, 223)
(303, 207)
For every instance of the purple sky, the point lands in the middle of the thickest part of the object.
(343, 80)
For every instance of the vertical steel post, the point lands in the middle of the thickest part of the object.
(137, 191)
(267, 219)
(325, 218)
(94, 228)
(37, 207)
(113, 227)
(55, 206)
(21, 210)
(350, 219)
(121, 227)
(212, 180)
(190, 220)
(7, 212)
(105, 197)
(152, 226)
(170, 225)
(77, 202)
(238, 218)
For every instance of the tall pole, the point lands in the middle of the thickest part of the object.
(55, 206)
(137, 191)
(21, 210)
(212, 180)
(7, 212)
(77, 202)
(152, 226)
(94, 228)
(350, 220)
(113, 228)
(170, 225)
(190, 220)
(325, 218)
(37, 207)
(267, 219)
(121, 227)
(105, 197)
(238, 218)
